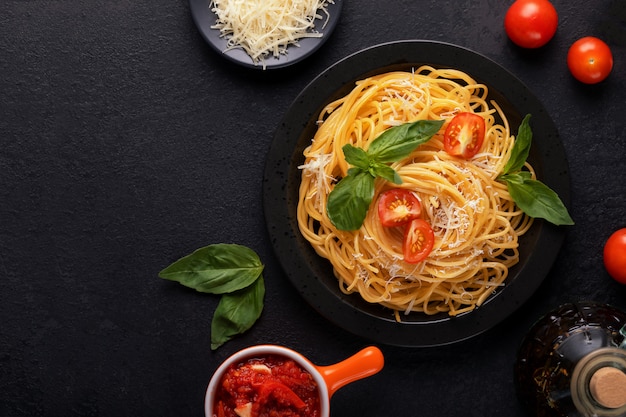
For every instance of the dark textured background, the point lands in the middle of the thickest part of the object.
(127, 142)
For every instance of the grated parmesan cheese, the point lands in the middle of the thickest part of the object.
(266, 27)
(317, 168)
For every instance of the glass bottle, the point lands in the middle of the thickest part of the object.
(572, 363)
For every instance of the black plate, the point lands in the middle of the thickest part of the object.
(313, 276)
(204, 18)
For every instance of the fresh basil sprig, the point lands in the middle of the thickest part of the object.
(232, 271)
(532, 196)
(349, 201)
(237, 312)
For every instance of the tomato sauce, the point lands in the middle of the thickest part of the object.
(270, 386)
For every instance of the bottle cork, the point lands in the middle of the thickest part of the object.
(608, 387)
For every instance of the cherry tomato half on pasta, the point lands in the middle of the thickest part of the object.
(590, 60)
(419, 239)
(615, 255)
(464, 135)
(531, 23)
(397, 207)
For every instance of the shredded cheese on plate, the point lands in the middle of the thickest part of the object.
(264, 28)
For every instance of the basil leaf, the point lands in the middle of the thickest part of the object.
(399, 141)
(349, 201)
(356, 156)
(237, 312)
(517, 177)
(386, 172)
(216, 269)
(362, 161)
(521, 147)
(536, 199)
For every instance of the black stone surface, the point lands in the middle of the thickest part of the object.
(127, 142)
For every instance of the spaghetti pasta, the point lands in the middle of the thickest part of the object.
(476, 222)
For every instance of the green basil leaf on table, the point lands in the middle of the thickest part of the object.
(349, 201)
(237, 312)
(536, 199)
(234, 272)
(216, 269)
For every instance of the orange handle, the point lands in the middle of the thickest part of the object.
(362, 364)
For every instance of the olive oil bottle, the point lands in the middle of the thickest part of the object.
(572, 363)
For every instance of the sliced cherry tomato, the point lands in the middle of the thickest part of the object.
(419, 239)
(464, 135)
(531, 23)
(615, 255)
(590, 60)
(397, 207)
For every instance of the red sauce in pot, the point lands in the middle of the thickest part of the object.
(271, 386)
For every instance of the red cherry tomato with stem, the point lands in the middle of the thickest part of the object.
(419, 239)
(531, 23)
(464, 135)
(590, 60)
(615, 255)
(397, 207)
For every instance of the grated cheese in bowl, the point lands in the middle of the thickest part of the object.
(264, 28)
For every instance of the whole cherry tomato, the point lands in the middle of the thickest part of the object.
(615, 255)
(531, 23)
(590, 60)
